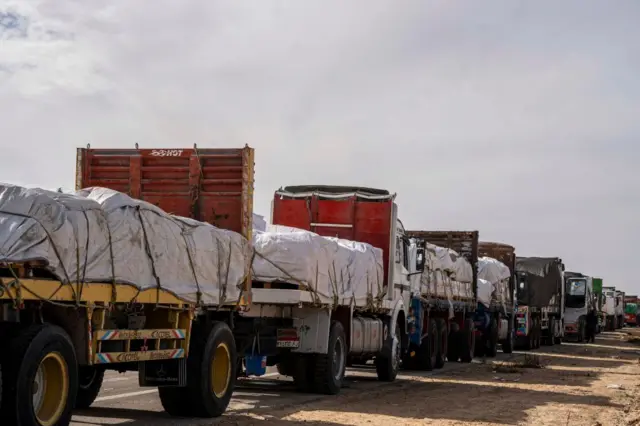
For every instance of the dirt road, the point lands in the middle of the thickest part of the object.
(570, 384)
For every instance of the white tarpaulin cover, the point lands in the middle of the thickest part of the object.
(485, 289)
(447, 276)
(498, 274)
(100, 235)
(335, 271)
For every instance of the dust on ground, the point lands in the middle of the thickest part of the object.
(562, 385)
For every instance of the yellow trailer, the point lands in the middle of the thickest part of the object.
(58, 336)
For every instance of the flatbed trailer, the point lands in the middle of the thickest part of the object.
(59, 336)
(442, 328)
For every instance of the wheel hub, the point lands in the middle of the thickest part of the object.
(50, 389)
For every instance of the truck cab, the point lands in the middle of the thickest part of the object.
(578, 300)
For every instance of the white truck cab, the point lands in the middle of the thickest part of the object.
(578, 300)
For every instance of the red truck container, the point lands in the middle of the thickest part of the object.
(213, 185)
(357, 214)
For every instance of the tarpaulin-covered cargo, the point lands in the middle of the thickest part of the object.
(498, 275)
(543, 283)
(454, 263)
(101, 235)
(334, 270)
(447, 275)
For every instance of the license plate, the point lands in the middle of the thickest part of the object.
(288, 344)
(287, 338)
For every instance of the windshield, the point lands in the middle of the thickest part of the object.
(576, 287)
(576, 293)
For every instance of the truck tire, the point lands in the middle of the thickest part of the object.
(467, 341)
(211, 367)
(530, 339)
(491, 348)
(428, 351)
(89, 384)
(387, 366)
(558, 339)
(443, 337)
(303, 372)
(581, 330)
(330, 367)
(538, 332)
(509, 342)
(40, 377)
(453, 343)
(551, 339)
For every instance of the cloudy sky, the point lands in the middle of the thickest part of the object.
(516, 118)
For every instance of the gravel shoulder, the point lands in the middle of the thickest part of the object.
(569, 384)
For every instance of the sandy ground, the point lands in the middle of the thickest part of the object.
(578, 384)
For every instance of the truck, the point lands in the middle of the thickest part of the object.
(620, 305)
(610, 308)
(146, 282)
(503, 301)
(541, 293)
(631, 310)
(577, 303)
(330, 287)
(443, 299)
(598, 300)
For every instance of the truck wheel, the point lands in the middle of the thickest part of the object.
(443, 337)
(387, 366)
(453, 344)
(492, 341)
(558, 340)
(330, 367)
(538, 332)
(530, 340)
(481, 346)
(428, 351)
(211, 367)
(303, 372)
(581, 330)
(467, 341)
(509, 343)
(552, 332)
(89, 384)
(40, 377)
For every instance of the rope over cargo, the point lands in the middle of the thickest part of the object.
(122, 241)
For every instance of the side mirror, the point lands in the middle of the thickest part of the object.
(420, 260)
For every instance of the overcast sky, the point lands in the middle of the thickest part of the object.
(516, 118)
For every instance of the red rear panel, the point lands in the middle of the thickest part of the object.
(344, 215)
(209, 185)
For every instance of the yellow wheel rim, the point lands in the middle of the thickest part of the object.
(221, 370)
(50, 389)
